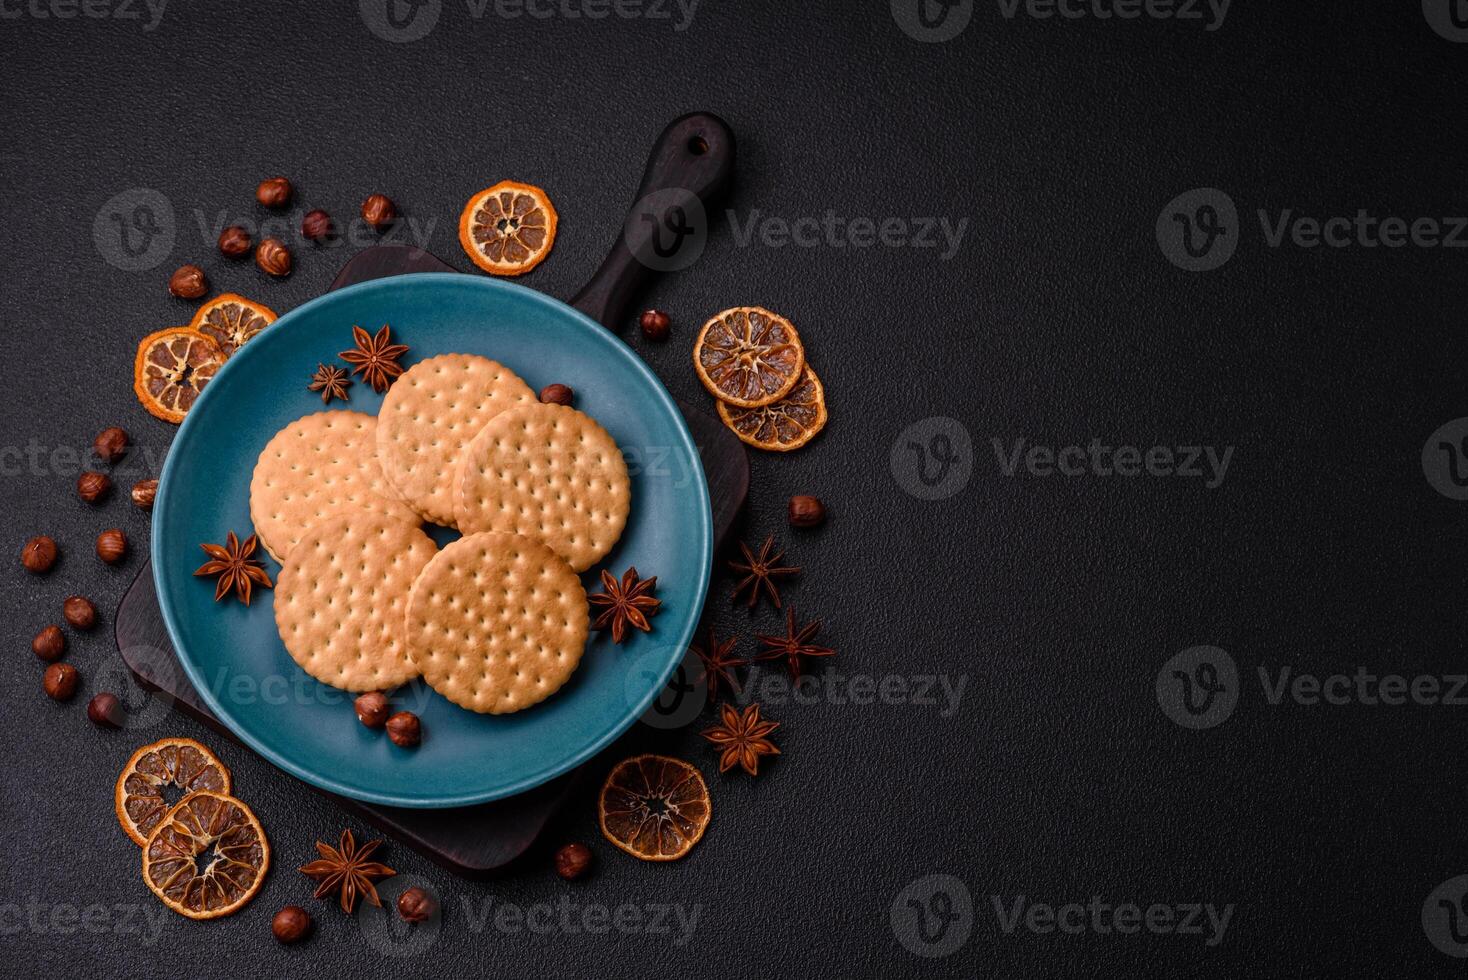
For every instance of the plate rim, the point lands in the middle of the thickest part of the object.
(546, 774)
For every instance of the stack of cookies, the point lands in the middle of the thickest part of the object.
(496, 621)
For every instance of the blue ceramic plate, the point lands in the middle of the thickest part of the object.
(232, 653)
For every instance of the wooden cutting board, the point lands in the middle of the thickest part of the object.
(695, 153)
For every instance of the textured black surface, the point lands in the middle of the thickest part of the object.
(1058, 320)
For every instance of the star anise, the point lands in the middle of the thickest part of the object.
(794, 645)
(375, 357)
(719, 664)
(741, 738)
(624, 604)
(231, 561)
(347, 870)
(331, 381)
(760, 572)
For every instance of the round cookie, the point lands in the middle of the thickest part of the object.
(546, 472)
(430, 414)
(497, 622)
(319, 465)
(341, 597)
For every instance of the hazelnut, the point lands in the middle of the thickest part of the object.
(378, 211)
(291, 924)
(79, 612)
(60, 682)
(188, 282)
(112, 546)
(92, 486)
(655, 324)
(371, 709)
(316, 226)
(105, 711)
(557, 395)
(416, 905)
(273, 257)
(49, 644)
(143, 493)
(572, 861)
(111, 444)
(38, 555)
(404, 729)
(234, 242)
(274, 192)
(806, 511)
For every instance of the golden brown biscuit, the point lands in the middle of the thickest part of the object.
(341, 599)
(497, 622)
(430, 414)
(319, 465)
(546, 472)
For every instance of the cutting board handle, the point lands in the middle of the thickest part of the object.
(690, 164)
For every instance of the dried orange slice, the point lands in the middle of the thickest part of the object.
(748, 356)
(172, 763)
(206, 823)
(172, 367)
(509, 228)
(786, 424)
(230, 320)
(654, 807)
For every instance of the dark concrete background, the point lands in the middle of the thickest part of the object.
(1056, 600)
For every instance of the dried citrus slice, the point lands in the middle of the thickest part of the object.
(509, 228)
(786, 424)
(654, 807)
(172, 367)
(173, 763)
(230, 840)
(230, 320)
(748, 356)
